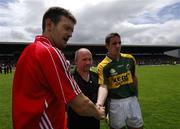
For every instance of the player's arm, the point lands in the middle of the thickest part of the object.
(135, 81)
(103, 90)
(102, 95)
(134, 77)
(85, 107)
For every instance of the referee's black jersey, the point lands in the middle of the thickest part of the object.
(90, 89)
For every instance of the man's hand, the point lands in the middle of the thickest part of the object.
(101, 113)
(99, 105)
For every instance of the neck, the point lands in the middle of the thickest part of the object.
(114, 57)
(84, 74)
(49, 38)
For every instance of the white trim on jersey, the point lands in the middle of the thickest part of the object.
(57, 75)
(41, 125)
(68, 74)
(45, 122)
(46, 104)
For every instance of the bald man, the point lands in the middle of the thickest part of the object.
(88, 83)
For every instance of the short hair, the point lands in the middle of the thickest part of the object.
(54, 13)
(76, 55)
(109, 36)
(77, 52)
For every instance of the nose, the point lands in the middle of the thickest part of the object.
(118, 45)
(88, 62)
(70, 31)
(70, 34)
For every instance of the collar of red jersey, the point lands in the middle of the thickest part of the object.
(43, 39)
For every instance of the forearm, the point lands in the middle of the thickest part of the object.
(102, 95)
(135, 80)
(83, 106)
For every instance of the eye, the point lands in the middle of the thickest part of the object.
(67, 28)
(115, 43)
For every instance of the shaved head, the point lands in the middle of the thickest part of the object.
(83, 60)
(81, 51)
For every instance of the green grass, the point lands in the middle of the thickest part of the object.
(159, 95)
(5, 101)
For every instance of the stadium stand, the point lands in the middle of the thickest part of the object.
(144, 54)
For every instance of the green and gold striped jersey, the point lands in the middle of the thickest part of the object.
(118, 76)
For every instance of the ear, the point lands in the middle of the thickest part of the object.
(91, 62)
(107, 46)
(48, 24)
(75, 62)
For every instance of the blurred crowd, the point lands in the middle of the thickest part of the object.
(5, 68)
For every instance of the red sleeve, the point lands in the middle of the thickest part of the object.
(55, 69)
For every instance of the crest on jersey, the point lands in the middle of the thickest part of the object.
(113, 71)
(128, 66)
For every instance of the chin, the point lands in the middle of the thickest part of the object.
(64, 45)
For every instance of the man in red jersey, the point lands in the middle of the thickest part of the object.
(43, 84)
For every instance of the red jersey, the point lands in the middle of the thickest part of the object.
(42, 86)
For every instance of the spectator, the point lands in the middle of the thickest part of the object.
(88, 83)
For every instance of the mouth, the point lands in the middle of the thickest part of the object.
(65, 39)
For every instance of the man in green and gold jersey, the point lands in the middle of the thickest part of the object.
(118, 83)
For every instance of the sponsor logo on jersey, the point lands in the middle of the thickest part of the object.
(120, 80)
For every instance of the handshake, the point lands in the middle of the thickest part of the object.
(105, 116)
(100, 112)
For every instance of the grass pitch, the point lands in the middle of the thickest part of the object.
(5, 101)
(159, 93)
(159, 96)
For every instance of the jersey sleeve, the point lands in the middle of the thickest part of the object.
(55, 69)
(101, 71)
(133, 65)
(100, 74)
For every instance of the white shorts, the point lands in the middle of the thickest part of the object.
(124, 112)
